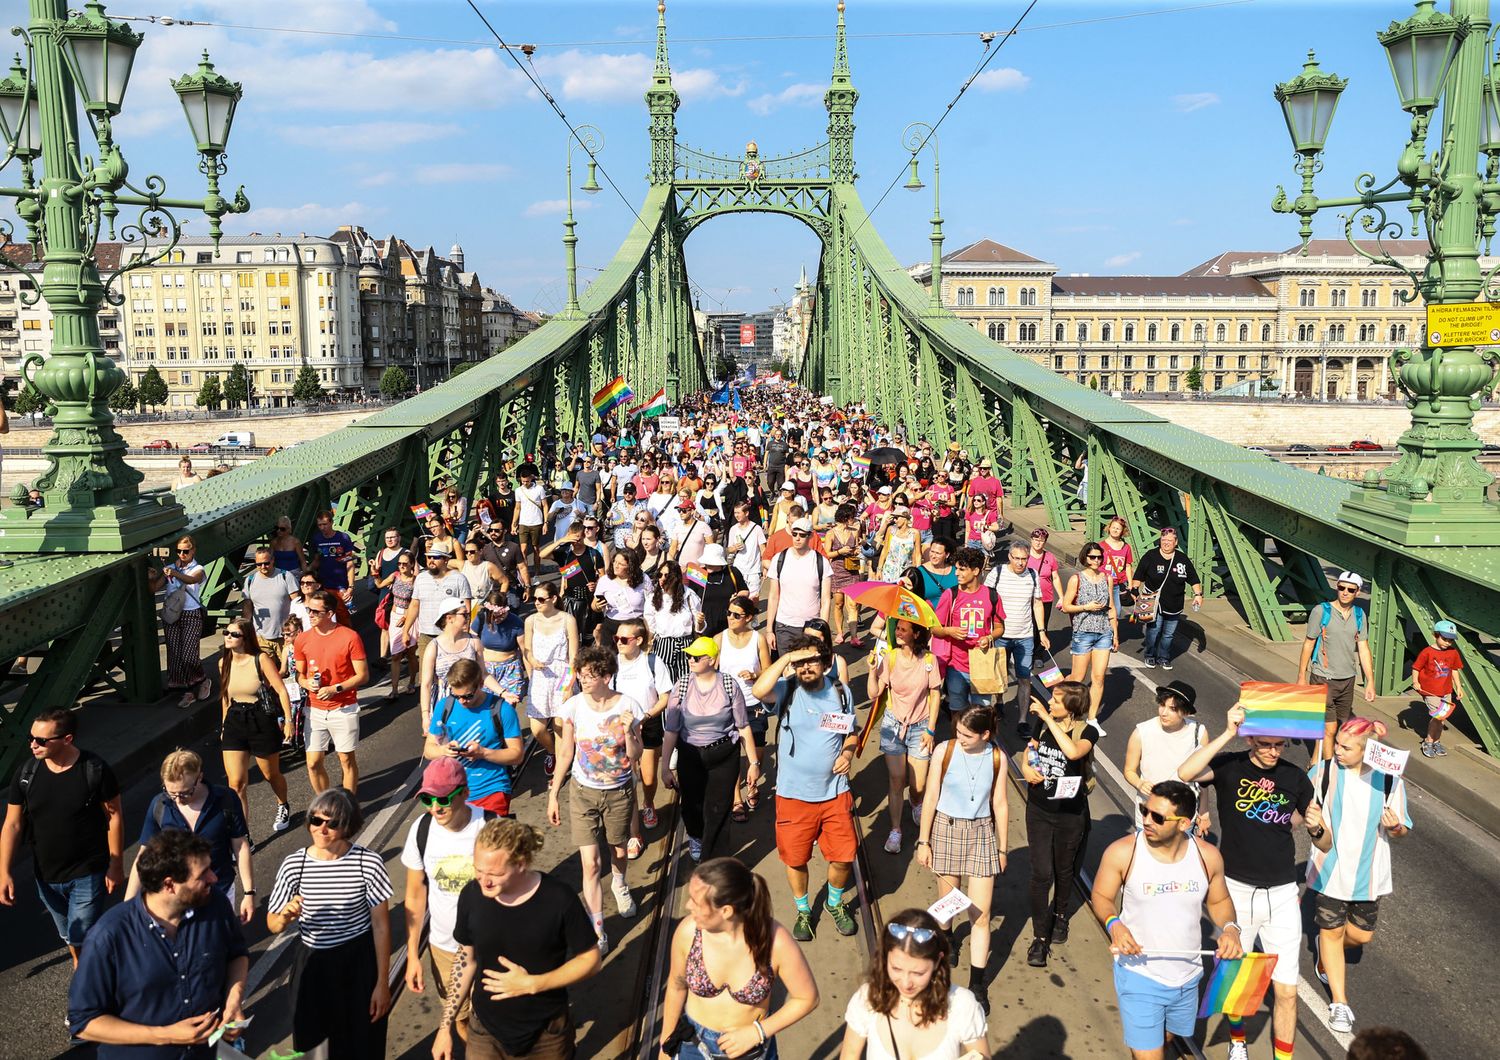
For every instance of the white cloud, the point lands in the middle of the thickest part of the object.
(425, 80)
(791, 95)
(369, 135)
(309, 217)
(1121, 260)
(1005, 79)
(592, 77)
(547, 207)
(437, 173)
(1191, 101)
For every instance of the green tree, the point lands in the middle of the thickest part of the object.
(28, 401)
(210, 394)
(307, 389)
(725, 365)
(126, 398)
(1194, 379)
(153, 389)
(461, 368)
(237, 387)
(394, 383)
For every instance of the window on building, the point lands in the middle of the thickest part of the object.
(1150, 332)
(1244, 332)
(1057, 363)
(1028, 332)
(1265, 333)
(1305, 297)
(997, 296)
(996, 331)
(1083, 333)
(1218, 382)
(309, 255)
(1219, 360)
(1367, 297)
(1172, 383)
(1127, 382)
(1106, 332)
(1104, 362)
(965, 296)
(205, 257)
(1340, 297)
(1175, 335)
(1221, 333)
(1150, 383)
(1198, 333)
(1129, 332)
(1060, 333)
(1150, 361)
(1241, 362)
(1129, 361)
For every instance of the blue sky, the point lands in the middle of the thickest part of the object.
(1103, 143)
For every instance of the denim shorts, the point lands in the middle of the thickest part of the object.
(1083, 643)
(1148, 1008)
(706, 1046)
(894, 742)
(76, 905)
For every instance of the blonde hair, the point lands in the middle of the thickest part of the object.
(181, 764)
(519, 842)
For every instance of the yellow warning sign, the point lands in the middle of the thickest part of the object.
(1464, 324)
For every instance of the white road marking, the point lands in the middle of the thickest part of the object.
(395, 803)
(1312, 997)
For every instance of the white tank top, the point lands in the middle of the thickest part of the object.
(1162, 752)
(1162, 905)
(732, 660)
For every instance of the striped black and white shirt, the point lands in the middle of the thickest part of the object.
(336, 895)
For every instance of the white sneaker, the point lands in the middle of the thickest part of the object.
(1341, 1018)
(1239, 1051)
(283, 818)
(603, 945)
(695, 849)
(893, 841)
(623, 900)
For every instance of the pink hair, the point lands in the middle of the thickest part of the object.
(1366, 727)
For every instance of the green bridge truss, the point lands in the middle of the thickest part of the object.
(1264, 534)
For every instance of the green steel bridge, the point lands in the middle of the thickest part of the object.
(1263, 533)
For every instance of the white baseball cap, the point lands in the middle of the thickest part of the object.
(1352, 578)
(802, 524)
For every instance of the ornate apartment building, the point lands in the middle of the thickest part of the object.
(1278, 322)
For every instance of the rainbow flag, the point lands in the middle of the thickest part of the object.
(612, 395)
(693, 574)
(421, 511)
(719, 430)
(861, 464)
(1051, 676)
(1293, 711)
(571, 569)
(1238, 987)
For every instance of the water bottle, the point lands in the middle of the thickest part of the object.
(1033, 759)
(1197, 605)
(317, 678)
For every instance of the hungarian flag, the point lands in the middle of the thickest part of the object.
(656, 405)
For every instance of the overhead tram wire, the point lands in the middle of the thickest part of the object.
(172, 20)
(525, 68)
(989, 57)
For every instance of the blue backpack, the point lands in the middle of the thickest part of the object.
(1359, 627)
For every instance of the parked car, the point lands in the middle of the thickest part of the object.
(200, 447)
(1337, 449)
(1301, 447)
(1364, 445)
(158, 443)
(236, 440)
(1257, 449)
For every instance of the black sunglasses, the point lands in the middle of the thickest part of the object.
(314, 821)
(42, 741)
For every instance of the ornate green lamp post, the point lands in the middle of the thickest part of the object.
(915, 135)
(591, 140)
(1435, 493)
(93, 500)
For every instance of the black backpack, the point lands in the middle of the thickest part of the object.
(229, 805)
(448, 703)
(846, 706)
(93, 774)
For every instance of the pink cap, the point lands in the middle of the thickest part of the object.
(442, 776)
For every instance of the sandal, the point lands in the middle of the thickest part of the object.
(739, 815)
(634, 848)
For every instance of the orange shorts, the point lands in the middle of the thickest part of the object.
(830, 824)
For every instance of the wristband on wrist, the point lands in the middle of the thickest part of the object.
(1109, 925)
(760, 1031)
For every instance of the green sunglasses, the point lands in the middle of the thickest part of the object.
(440, 800)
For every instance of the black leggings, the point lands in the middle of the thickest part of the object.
(707, 776)
(1056, 840)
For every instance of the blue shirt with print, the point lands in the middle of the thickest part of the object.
(465, 725)
(806, 753)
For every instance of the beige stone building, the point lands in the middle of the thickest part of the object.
(1269, 322)
(273, 304)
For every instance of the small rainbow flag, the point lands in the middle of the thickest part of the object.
(1238, 987)
(421, 511)
(693, 574)
(719, 430)
(612, 395)
(571, 569)
(1051, 676)
(1292, 711)
(861, 464)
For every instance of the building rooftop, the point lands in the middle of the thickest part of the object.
(985, 251)
(1160, 286)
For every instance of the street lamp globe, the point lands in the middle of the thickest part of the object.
(20, 113)
(1307, 103)
(100, 53)
(208, 100)
(1420, 51)
(914, 182)
(591, 184)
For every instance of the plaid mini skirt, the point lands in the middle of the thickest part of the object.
(965, 846)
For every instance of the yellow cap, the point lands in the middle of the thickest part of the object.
(703, 646)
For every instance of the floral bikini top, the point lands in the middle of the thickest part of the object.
(754, 992)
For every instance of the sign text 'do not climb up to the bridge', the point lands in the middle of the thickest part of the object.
(1464, 324)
